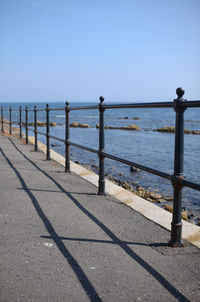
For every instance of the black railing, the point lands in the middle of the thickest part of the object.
(177, 179)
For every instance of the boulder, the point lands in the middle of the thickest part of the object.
(41, 124)
(77, 125)
(131, 127)
(171, 129)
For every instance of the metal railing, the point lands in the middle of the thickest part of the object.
(177, 179)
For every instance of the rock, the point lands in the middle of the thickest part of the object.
(138, 188)
(41, 124)
(136, 118)
(53, 145)
(160, 200)
(126, 118)
(77, 125)
(155, 195)
(84, 126)
(77, 162)
(171, 129)
(168, 198)
(126, 185)
(31, 124)
(74, 124)
(131, 127)
(168, 208)
(133, 169)
(120, 174)
(185, 215)
(52, 124)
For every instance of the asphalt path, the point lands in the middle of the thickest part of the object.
(60, 241)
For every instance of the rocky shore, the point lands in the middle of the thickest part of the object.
(154, 196)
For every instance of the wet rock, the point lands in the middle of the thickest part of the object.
(126, 185)
(129, 127)
(120, 174)
(77, 162)
(155, 195)
(134, 169)
(77, 125)
(41, 124)
(52, 124)
(171, 129)
(53, 145)
(185, 215)
(168, 198)
(136, 118)
(168, 208)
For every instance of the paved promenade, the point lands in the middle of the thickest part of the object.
(62, 242)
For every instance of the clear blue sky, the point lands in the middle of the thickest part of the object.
(125, 50)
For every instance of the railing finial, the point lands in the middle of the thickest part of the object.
(180, 92)
(101, 99)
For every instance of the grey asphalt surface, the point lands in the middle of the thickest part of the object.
(62, 242)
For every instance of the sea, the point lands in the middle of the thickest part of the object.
(146, 147)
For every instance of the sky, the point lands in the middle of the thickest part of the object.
(78, 50)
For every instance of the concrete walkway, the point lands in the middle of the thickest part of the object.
(62, 242)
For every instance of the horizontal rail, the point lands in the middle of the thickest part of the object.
(83, 108)
(84, 148)
(190, 184)
(136, 165)
(57, 138)
(140, 105)
(42, 133)
(191, 104)
(56, 109)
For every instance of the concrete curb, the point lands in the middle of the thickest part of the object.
(151, 211)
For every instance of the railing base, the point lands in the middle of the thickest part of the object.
(176, 235)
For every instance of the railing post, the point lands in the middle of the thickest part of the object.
(26, 111)
(20, 121)
(35, 127)
(67, 144)
(176, 228)
(2, 128)
(101, 189)
(47, 133)
(10, 118)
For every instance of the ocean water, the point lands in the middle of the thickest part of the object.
(146, 147)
